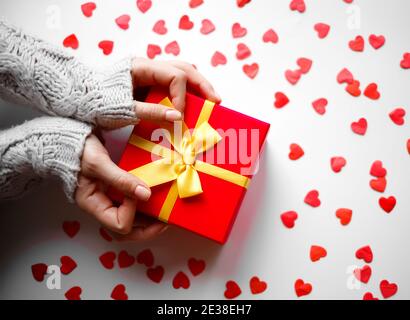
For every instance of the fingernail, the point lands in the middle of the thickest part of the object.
(173, 115)
(164, 229)
(218, 96)
(142, 193)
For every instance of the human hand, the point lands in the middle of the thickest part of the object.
(98, 172)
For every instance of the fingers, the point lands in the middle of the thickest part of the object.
(151, 111)
(143, 233)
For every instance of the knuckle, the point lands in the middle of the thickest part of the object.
(180, 76)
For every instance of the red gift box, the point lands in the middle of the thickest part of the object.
(196, 183)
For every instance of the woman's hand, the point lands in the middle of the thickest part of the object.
(98, 172)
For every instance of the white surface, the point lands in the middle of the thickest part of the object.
(259, 244)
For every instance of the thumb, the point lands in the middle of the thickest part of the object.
(152, 111)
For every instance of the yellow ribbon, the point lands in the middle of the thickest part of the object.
(180, 165)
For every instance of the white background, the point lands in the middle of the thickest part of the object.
(30, 228)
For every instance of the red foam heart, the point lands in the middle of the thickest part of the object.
(312, 198)
(302, 288)
(296, 151)
(388, 289)
(251, 70)
(304, 65)
(345, 76)
(153, 50)
(337, 163)
(146, 257)
(119, 292)
(71, 228)
(293, 76)
(144, 5)
(357, 44)
(298, 5)
(107, 259)
(359, 127)
(156, 274)
(73, 293)
(317, 252)
(159, 27)
(408, 146)
(125, 260)
(123, 21)
(369, 296)
(67, 265)
(378, 184)
(365, 253)
(363, 274)
(371, 92)
(348, 1)
(196, 266)
(376, 41)
(39, 270)
(242, 51)
(270, 36)
(218, 59)
(195, 3)
(88, 8)
(322, 30)
(354, 88)
(257, 286)
(71, 41)
(106, 46)
(281, 100)
(238, 31)
(344, 215)
(397, 116)
(320, 105)
(181, 280)
(172, 48)
(185, 23)
(242, 3)
(232, 290)
(377, 169)
(288, 218)
(405, 63)
(207, 26)
(104, 234)
(387, 204)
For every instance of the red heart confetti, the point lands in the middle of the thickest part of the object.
(39, 270)
(156, 274)
(238, 31)
(144, 5)
(363, 274)
(319, 105)
(251, 70)
(354, 88)
(397, 116)
(281, 100)
(296, 152)
(242, 51)
(405, 63)
(185, 23)
(232, 290)
(387, 204)
(106, 46)
(67, 265)
(257, 286)
(153, 50)
(71, 228)
(317, 252)
(242, 3)
(408, 146)
(172, 48)
(159, 27)
(195, 3)
(107, 259)
(337, 163)
(359, 127)
(302, 288)
(378, 184)
(357, 44)
(388, 289)
(71, 41)
(196, 266)
(371, 92)
(119, 292)
(73, 293)
(369, 296)
(181, 280)
(125, 260)
(292, 76)
(297, 5)
(123, 21)
(105, 235)
(376, 41)
(312, 198)
(218, 59)
(270, 36)
(288, 219)
(345, 76)
(146, 258)
(207, 26)
(365, 253)
(304, 65)
(377, 169)
(322, 30)
(88, 8)
(344, 215)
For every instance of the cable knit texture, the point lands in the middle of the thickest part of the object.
(40, 148)
(35, 73)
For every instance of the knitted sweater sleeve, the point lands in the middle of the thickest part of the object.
(39, 149)
(33, 72)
